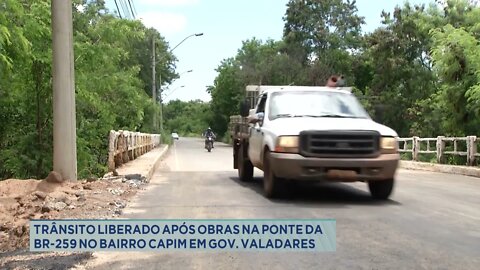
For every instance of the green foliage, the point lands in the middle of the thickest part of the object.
(457, 63)
(226, 93)
(188, 119)
(322, 25)
(112, 81)
(323, 35)
(402, 75)
(417, 73)
(166, 138)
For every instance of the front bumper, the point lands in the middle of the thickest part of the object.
(297, 167)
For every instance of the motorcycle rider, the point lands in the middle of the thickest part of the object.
(209, 133)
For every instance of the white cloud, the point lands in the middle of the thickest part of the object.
(169, 3)
(165, 23)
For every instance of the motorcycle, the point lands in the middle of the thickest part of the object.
(209, 143)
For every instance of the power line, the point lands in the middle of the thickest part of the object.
(168, 94)
(124, 8)
(127, 7)
(118, 10)
(127, 10)
(131, 9)
(134, 8)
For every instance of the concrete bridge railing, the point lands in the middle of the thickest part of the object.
(441, 146)
(124, 146)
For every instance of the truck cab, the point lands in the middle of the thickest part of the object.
(301, 133)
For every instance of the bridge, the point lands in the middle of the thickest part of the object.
(430, 221)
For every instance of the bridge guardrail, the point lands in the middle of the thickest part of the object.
(416, 146)
(124, 146)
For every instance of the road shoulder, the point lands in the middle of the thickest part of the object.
(441, 168)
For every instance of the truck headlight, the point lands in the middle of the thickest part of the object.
(287, 144)
(389, 145)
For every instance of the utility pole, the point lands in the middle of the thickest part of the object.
(64, 122)
(161, 102)
(154, 90)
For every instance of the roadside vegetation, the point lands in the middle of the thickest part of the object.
(187, 118)
(112, 80)
(418, 73)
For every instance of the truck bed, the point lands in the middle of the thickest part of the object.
(238, 127)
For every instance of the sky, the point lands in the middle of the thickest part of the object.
(224, 24)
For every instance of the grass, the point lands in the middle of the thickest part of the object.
(166, 138)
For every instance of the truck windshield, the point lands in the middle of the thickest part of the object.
(315, 104)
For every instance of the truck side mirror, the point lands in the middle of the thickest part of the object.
(260, 116)
(379, 113)
(244, 108)
(256, 117)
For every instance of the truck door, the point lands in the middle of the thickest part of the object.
(256, 134)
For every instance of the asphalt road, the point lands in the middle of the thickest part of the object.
(431, 222)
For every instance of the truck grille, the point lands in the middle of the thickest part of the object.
(339, 143)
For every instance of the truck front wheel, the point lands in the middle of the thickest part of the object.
(245, 167)
(272, 185)
(381, 190)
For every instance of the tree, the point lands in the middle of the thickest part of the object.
(227, 92)
(457, 62)
(322, 35)
(26, 90)
(179, 117)
(418, 70)
(112, 82)
(398, 54)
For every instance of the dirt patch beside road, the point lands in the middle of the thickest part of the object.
(22, 200)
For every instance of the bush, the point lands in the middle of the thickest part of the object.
(166, 138)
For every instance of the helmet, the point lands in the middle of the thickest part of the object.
(209, 129)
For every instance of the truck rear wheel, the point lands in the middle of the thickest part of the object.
(381, 190)
(272, 185)
(245, 167)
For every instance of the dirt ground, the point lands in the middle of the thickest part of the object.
(22, 200)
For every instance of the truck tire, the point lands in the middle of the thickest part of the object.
(381, 190)
(272, 185)
(245, 167)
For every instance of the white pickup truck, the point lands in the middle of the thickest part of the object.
(301, 133)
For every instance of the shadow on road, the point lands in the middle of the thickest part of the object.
(314, 193)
